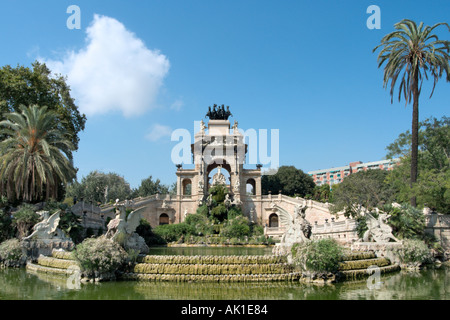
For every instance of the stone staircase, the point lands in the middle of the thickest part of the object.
(61, 262)
(212, 268)
(218, 268)
(356, 265)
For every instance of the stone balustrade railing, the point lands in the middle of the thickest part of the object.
(343, 231)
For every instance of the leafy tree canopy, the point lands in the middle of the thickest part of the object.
(289, 180)
(434, 143)
(38, 86)
(365, 188)
(100, 187)
(432, 188)
(35, 155)
(150, 187)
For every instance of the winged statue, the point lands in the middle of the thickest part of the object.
(123, 229)
(122, 224)
(48, 227)
(378, 229)
(298, 229)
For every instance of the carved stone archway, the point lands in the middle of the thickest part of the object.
(273, 221)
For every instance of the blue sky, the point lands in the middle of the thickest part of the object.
(142, 67)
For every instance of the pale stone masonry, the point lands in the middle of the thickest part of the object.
(224, 148)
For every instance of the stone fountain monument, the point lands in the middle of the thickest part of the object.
(46, 236)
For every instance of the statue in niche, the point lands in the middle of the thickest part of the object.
(122, 229)
(252, 215)
(47, 228)
(236, 202)
(378, 229)
(237, 185)
(227, 202)
(200, 185)
(219, 178)
(209, 200)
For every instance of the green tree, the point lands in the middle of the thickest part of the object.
(24, 219)
(362, 189)
(322, 193)
(434, 143)
(34, 156)
(432, 188)
(417, 53)
(100, 187)
(149, 187)
(289, 180)
(6, 228)
(407, 222)
(25, 86)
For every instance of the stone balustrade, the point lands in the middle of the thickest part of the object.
(342, 231)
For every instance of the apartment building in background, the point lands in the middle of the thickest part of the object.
(336, 175)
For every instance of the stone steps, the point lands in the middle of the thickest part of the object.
(217, 268)
(61, 262)
(363, 264)
(358, 274)
(293, 276)
(211, 260)
(212, 269)
(51, 270)
(359, 255)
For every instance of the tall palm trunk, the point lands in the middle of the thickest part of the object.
(415, 134)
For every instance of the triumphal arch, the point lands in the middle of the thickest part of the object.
(219, 153)
(219, 148)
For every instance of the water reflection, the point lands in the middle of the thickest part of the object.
(427, 284)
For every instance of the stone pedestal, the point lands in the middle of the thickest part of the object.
(386, 249)
(34, 248)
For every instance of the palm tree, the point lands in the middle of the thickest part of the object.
(35, 156)
(413, 53)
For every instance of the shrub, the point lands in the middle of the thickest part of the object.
(173, 232)
(414, 253)
(6, 228)
(234, 212)
(407, 222)
(11, 254)
(321, 255)
(145, 231)
(24, 219)
(199, 224)
(219, 213)
(236, 228)
(218, 193)
(99, 256)
(203, 210)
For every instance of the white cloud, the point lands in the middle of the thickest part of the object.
(177, 105)
(158, 131)
(115, 71)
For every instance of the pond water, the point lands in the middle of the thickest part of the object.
(432, 284)
(19, 284)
